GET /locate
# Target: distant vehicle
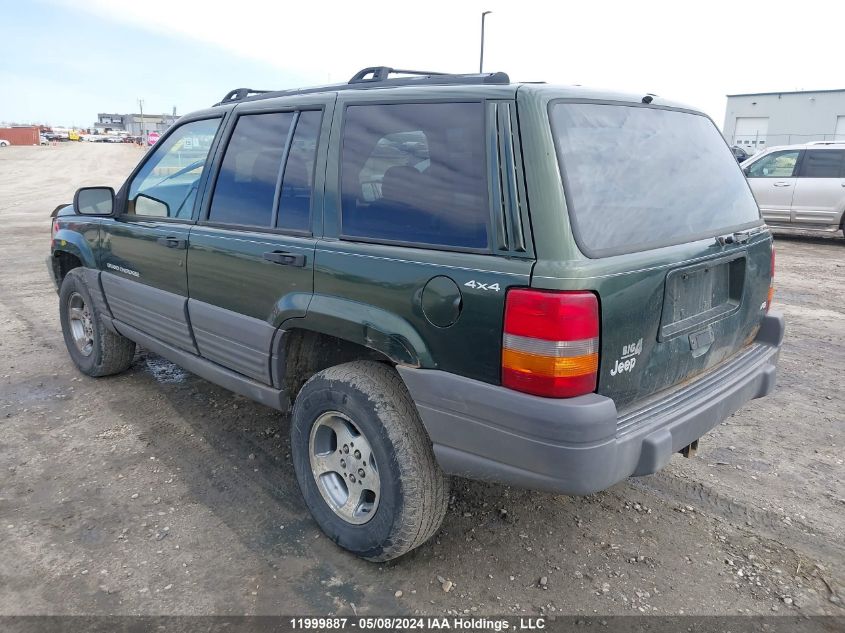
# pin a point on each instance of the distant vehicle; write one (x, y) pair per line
(4, 143)
(43, 139)
(800, 186)
(73, 135)
(113, 139)
(740, 154)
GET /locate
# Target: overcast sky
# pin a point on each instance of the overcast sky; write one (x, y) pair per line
(63, 61)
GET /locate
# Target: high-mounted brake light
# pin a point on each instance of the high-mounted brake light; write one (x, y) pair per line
(771, 281)
(550, 345)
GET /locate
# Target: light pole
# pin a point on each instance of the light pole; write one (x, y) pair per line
(481, 62)
(141, 108)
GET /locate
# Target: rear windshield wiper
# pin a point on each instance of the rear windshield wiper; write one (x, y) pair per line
(737, 237)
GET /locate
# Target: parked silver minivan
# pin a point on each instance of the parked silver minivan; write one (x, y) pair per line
(800, 186)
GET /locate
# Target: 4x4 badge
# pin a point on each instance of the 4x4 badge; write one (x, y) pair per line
(477, 285)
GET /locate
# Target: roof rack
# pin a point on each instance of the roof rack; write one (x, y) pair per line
(381, 74)
(375, 77)
(239, 94)
(842, 142)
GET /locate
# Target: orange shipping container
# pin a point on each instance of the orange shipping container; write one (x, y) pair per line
(21, 135)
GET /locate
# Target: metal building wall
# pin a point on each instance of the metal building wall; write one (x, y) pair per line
(793, 117)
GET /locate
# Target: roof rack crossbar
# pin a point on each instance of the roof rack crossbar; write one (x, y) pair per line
(381, 73)
(239, 94)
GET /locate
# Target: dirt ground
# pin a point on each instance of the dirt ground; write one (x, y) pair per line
(156, 492)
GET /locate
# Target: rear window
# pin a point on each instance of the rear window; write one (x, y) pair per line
(643, 177)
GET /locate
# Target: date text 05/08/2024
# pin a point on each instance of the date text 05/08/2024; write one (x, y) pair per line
(418, 623)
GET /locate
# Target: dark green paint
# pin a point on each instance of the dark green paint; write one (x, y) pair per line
(373, 294)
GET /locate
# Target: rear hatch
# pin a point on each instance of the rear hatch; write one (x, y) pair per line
(675, 246)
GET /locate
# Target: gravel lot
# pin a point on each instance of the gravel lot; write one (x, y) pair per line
(156, 492)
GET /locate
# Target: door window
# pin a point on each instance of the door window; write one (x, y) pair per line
(415, 173)
(246, 185)
(775, 165)
(298, 181)
(167, 184)
(823, 163)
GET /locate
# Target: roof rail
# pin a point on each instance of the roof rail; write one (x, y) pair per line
(842, 142)
(239, 94)
(381, 74)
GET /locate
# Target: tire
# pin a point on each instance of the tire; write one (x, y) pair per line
(413, 493)
(94, 349)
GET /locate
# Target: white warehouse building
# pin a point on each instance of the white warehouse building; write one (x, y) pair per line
(757, 121)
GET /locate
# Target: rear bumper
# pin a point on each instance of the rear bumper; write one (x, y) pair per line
(581, 445)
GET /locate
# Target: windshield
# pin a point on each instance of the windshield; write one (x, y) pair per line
(643, 177)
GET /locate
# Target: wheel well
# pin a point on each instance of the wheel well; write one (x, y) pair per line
(304, 353)
(63, 263)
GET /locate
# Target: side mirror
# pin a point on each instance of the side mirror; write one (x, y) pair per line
(93, 201)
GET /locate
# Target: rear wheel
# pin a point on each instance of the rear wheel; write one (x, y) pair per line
(94, 349)
(364, 461)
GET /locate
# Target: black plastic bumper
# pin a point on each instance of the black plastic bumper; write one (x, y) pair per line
(581, 445)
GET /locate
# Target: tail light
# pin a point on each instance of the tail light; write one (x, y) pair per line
(771, 281)
(550, 345)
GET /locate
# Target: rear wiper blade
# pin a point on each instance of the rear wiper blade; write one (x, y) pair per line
(737, 237)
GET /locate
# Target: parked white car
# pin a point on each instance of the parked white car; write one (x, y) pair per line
(4, 143)
(800, 186)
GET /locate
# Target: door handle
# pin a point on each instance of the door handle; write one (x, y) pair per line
(284, 258)
(172, 242)
(782, 184)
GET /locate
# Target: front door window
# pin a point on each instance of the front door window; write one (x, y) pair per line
(167, 184)
(775, 165)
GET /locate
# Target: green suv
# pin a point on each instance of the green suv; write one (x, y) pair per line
(438, 275)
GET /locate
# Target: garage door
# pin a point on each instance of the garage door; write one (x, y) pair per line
(750, 132)
(840, 129)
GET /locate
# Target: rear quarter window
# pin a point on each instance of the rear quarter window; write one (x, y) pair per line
(637, 178)
(415, 173)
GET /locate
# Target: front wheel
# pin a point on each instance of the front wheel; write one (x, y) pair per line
(94, 349)
(364, 461)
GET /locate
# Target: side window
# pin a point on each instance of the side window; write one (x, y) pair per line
(167, 184)
(823, 163)
(415, 173)
(246, 184)
(775, 165)
(298, 180)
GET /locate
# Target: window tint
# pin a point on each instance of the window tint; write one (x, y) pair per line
(415, 173)
(246, 185)
(627, 187)
(823, 163)
(168, 182)
(298, 181)
(775, 165)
